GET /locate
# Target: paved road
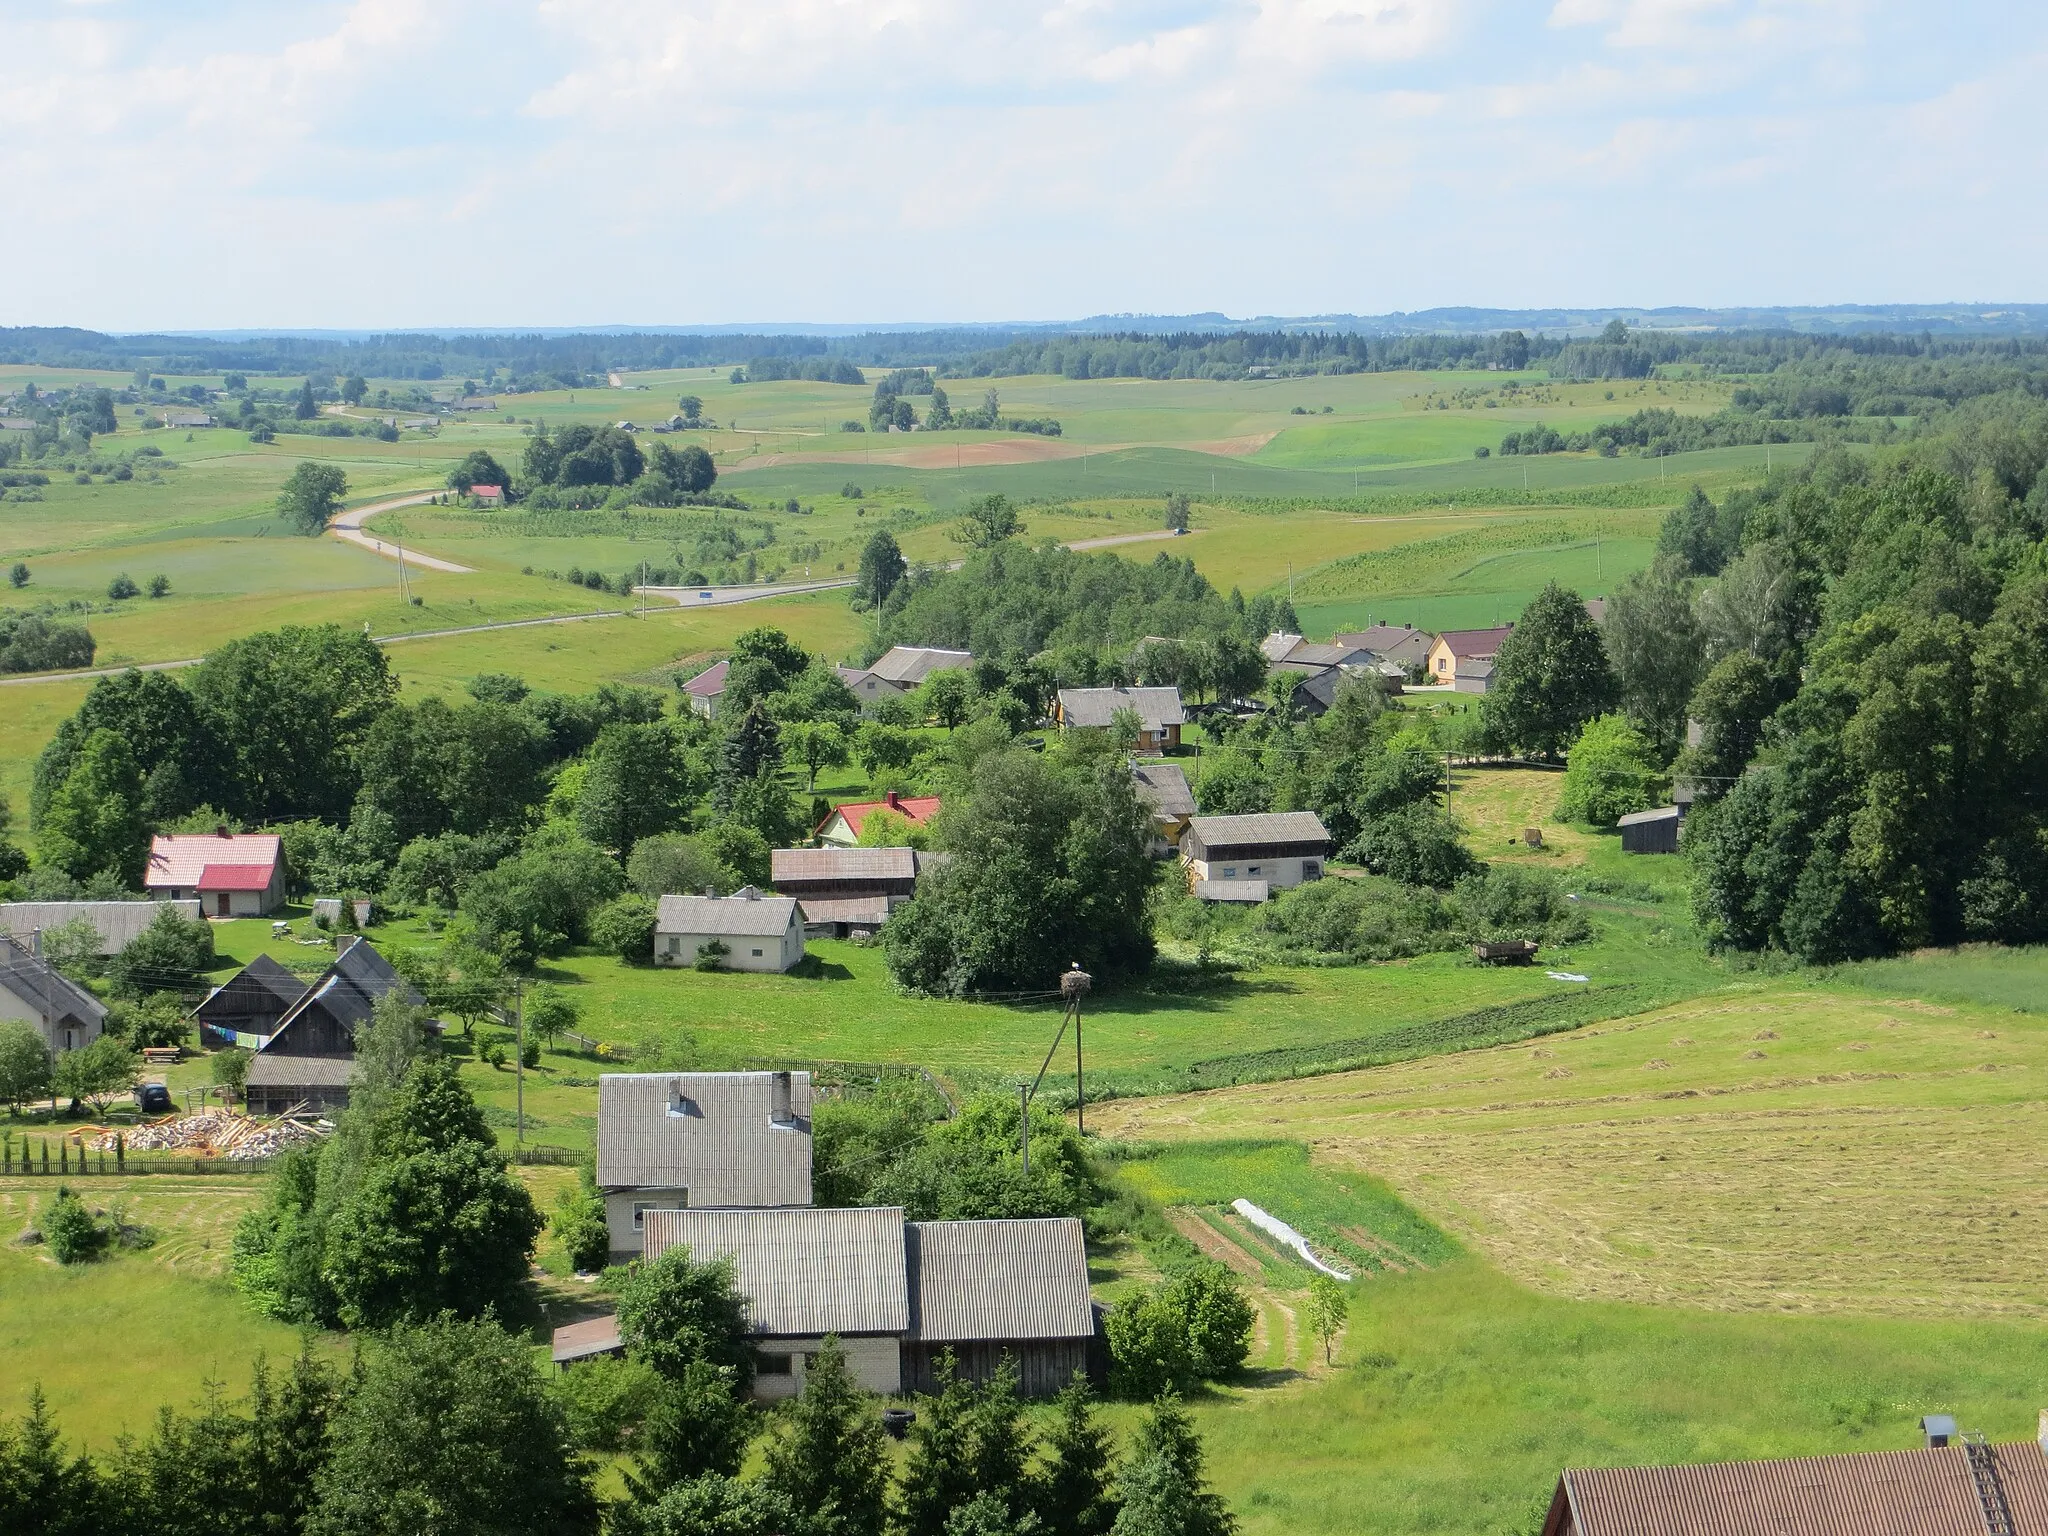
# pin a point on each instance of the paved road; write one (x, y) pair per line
(349, 526)
(713, 597)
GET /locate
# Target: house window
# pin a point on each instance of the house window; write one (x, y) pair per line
(757, 954)
(642, 1207)
(675, 944)
(1252, 869)
(1311, 870)
(1230, 874)
(773, 1365)
(1442, 665)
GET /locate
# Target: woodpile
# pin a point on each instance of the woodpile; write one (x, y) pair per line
(219, 1132)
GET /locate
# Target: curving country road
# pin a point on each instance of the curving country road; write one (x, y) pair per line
(348, 526)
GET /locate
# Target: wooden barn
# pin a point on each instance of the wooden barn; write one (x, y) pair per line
(1968, 1489)
(1651, 831)
(308, 1061)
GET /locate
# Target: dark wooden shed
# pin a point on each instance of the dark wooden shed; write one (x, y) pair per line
(1651, 831)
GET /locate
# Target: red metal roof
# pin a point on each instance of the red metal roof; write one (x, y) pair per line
(1929, 1492)
(235, 877)
(915, 809)
(709, 683)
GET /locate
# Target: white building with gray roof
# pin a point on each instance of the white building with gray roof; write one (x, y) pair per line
(899, 1294)
(757, 933)
(696, 1140)
(1281, 849)
(67, 1016)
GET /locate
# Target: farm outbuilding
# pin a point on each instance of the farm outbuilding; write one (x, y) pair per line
(1949, 1490)
(310, 1058)
(246, 1009)
(1280, 848)
(899, 1294)
(1651, 831)
(847, 891)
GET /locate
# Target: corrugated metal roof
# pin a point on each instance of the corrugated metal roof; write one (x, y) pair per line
(269, 1069)
(592, 1336)
(712, 1133)
(117, 921)
(1164, 787)
(1095, 707)
(1639, 818)
(910, 665)
(1279, 645)
(846, 909)
(44, 990)
(1262, 830)
(1928, 1492)
(178, 859)
(750, 917)
(804, 1272)
(261, 986)
(842, 864)
(999, 1280)
(1478, 643)
(709, 683)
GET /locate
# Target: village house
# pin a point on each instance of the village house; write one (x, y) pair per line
(1456, 649)
(187, 419)
(900, 669)
(116, 922)
(246, 1009)
(1942, 1489)
(1164, 788)
(306, 1063)
(1403, 645)
(757, 933)
(1159, 713)
(682, 1140)
(845, 891)
(66, 1015)
(474, 403)
(706, 689)
(843, 827)
(899, 1294)
(230, 874)
(1279, 850)
(487, 495)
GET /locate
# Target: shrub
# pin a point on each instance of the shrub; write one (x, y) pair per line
(712, 956)
(123, 587)
(580, 1226)
(1416, 844)
(75, 1234)
(606, 1400)
(1149, 1351)
(624, 927)
(1608, 773)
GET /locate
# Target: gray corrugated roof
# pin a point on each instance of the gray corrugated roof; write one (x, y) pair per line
(116, 921)
(843, 864)
(268, 1069)
(1164, 787)
(45, 990)
(1155, 707)
(721, 1144)
(999, 1280)
(1637, 818)
(1259, 830)
(757, 917)
(912, 664)
(804, 1272)
(846, 909)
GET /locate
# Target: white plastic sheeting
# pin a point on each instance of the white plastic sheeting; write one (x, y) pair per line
(1273, 1226)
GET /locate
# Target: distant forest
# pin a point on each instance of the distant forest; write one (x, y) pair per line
(1792, 373)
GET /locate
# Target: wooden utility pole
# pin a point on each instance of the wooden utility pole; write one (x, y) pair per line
(519, 1071)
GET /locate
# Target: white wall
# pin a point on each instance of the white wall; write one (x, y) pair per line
(1280, 874)
(876, 1363)
(627, 1240)
(777, 954)
(12, 1007)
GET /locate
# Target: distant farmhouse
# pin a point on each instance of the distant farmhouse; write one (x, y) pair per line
(230, 874)
(66, 1015)
(901, 669)
(706, 689)
(671, 1140)
(759, 933)
(1464, 658)
(187, 419)
(1164, 788)
(1159, 712)
(1401, 644)
(843, 827)
(116, 922)
(847, 891)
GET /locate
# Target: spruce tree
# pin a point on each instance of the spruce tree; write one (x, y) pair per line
(830, 1462)
(1072, 1492)
(1162, 1487)
(43, 1492)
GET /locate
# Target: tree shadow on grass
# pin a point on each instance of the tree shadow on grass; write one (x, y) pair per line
(811, 968)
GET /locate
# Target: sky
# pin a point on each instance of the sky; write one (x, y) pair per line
(184, 164)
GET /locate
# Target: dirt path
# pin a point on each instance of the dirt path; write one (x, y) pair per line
(348, 527)
(1130, 538)
(1214, 1244)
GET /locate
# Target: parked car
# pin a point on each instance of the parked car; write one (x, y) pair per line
(154, 1099)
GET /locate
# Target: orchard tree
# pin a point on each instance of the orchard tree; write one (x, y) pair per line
(817, 744)
(312, 495)
(988, 522)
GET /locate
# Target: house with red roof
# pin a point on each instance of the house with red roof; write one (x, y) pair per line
(1466, 654)
(842, 828)
(488, 495)
(707, 688)
(230, 874)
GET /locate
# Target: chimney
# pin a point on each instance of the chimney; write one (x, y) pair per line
(779, 1109)
(893, 800)
(711, 893)
(222, 831)
(1940, 1429)
(748, 893)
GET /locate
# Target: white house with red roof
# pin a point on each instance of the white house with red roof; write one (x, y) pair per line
(842, 827)
(488, 495)
(230, 874)
(707, 688)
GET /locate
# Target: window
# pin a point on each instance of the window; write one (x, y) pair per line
(773, 1365)
(757, 954)
(1230, 874)
(1252, 869)
(675, 944)
(1311, 870)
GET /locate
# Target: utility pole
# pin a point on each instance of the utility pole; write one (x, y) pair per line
(1024, 1125)
(519, 1073)
(1074, 987)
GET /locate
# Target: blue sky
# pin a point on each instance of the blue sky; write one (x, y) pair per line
(506, 162)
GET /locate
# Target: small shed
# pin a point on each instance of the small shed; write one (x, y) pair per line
(247, 1008)
(1248, 893)
(1651, 831)
(581, 1341)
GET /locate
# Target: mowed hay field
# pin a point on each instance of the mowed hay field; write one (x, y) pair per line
(1767, 1146)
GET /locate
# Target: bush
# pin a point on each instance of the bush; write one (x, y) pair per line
(1608, 773)
(1510, 902)
(1149, 1351)
(624, 927)
(170, 954)
(580, 1226)
(1194, 1326)
(712, 956)
(1372, 919)
(606, 1400)
(1415, 844)
(75, 1234)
